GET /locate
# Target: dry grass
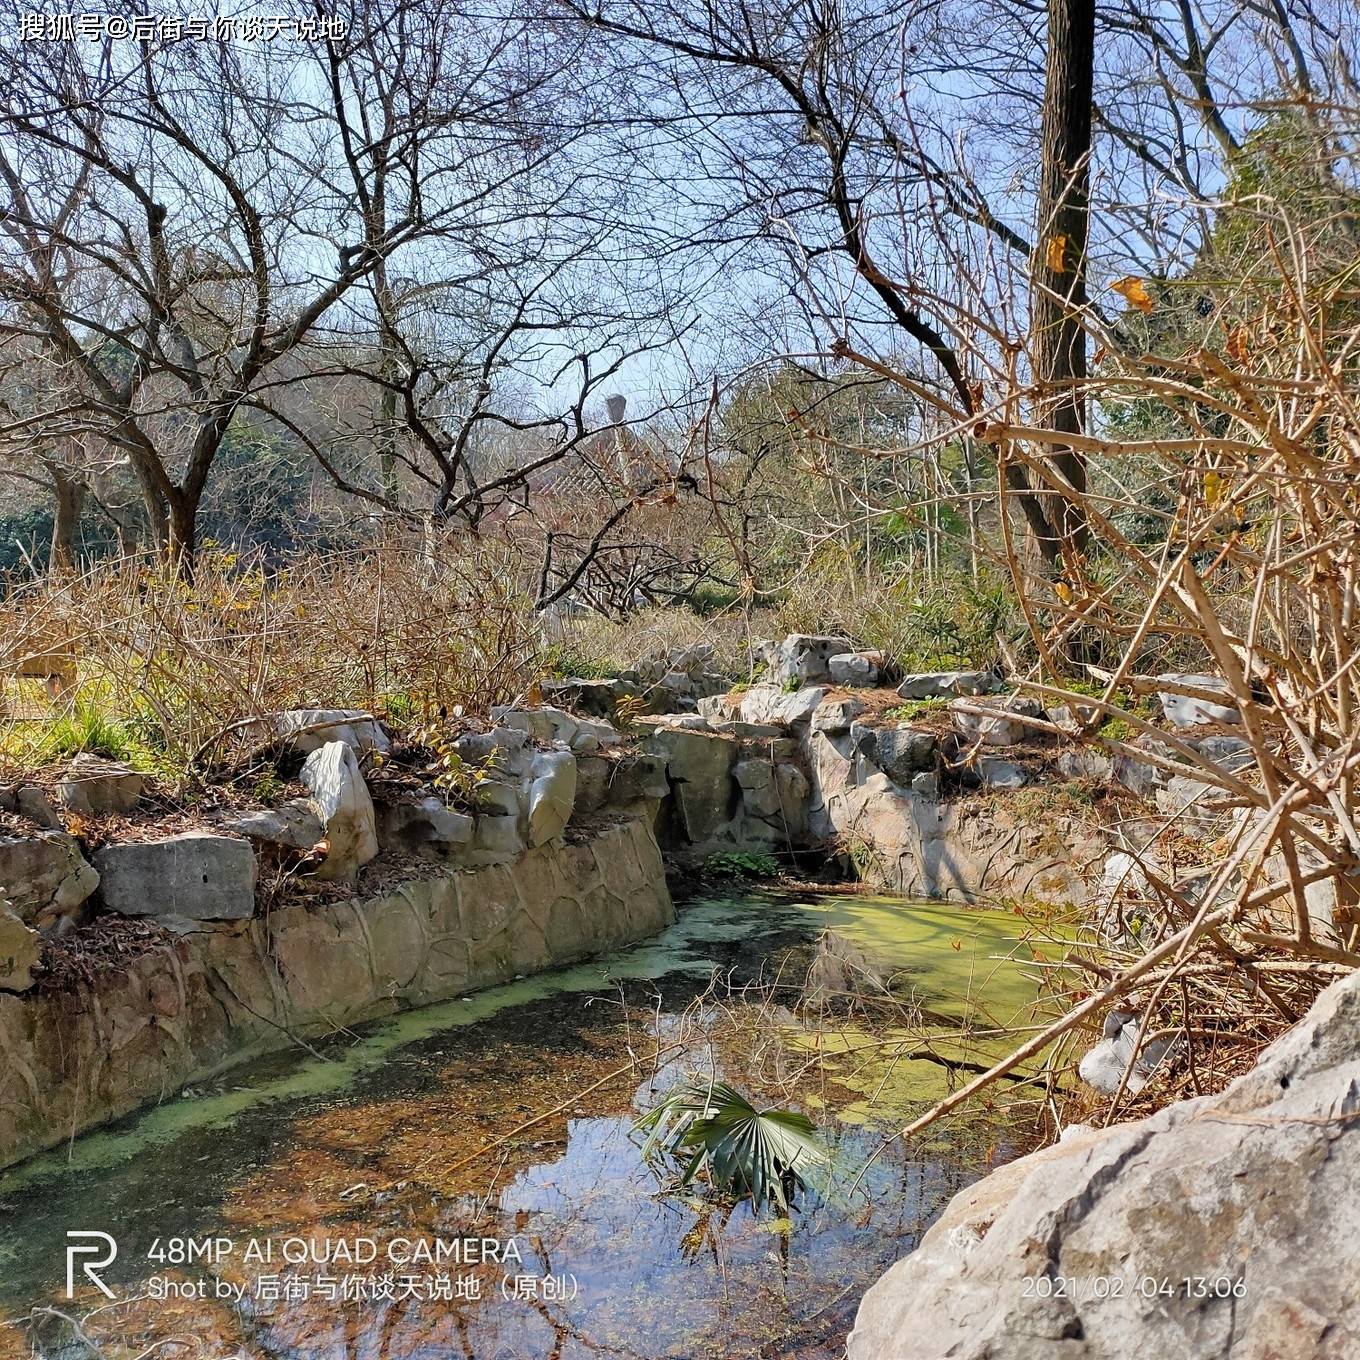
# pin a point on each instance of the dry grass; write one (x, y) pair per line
(166, 666)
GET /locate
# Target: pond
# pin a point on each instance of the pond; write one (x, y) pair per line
(466, 1180)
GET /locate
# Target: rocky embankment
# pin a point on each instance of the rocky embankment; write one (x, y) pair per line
(1223, 1227)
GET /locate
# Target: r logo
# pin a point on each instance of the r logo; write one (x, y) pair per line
(95, 1244)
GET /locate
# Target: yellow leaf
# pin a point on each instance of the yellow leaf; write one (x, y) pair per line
(1055, 251)
(1134, 292)
(1063, 592)
(1237, 344)
(1214, 487)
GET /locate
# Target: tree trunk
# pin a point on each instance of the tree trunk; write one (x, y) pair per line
(69, 493)
(1059, 274)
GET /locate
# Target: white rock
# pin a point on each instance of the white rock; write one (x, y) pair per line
(994, 726)
(1184, 711)
(337, 786)
(20, 948)
(93, 785)
(550, 796)
(309, 729)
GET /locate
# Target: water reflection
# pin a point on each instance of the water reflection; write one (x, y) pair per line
(442, 1143)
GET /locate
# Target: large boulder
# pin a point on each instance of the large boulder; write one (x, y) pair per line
(342, 799)
(92, 786)
(309, 729)
(856, 670)
(44, 877)
(699, 768)
(833, 715)
(197, 876)
(802, 658)
(1185, 710)
(1222, 1228)
(765, 704)
(550, 795)
(425, 826)
(900, 752)
(20, 949)
(946, 684)
(995, 722)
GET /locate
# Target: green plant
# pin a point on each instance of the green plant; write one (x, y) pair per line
(915, 708)
(713, 1128)
(745, 863)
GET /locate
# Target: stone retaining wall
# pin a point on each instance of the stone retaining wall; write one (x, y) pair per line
(205, 1001)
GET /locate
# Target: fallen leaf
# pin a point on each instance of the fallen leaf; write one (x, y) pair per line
(1134, 292)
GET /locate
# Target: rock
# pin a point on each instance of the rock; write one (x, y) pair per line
(337, 785)
(767, 705)
(497, 839)
(926, 785)
(792, 786)
(759, 795)
(295, 824)
(802, 658)
(834, 715)
(901, 752)
(20, 950)
(1257, 1184)
(995, 726)
(1187, 800)
(856, 670)
(1000, 774)
(92, 786)
(197, 876)
(637, 777)
(1074, 716)
(592, 698)
(1084, 763)
(33, 803)
(1142, 776)
(946, 684)
(721, 707)
(1229, 753)
(550, 795)
(699, 766)
(1102, 1066)
(1184, 711)
(501, 749)
(308, 729)
(498, 796)
(428, 824)
(677, 682)
(44, 876)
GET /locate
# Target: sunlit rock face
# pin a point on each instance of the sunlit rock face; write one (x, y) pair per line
(1222, 1227)
(185, 1008)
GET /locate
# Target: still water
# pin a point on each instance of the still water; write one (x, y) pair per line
(466, 1180)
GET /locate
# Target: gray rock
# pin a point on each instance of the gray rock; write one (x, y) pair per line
(856, 670)
(639, 776)
(499, 797)
(996, 726)
(793, 788)
(926, 785)
(1082, 762)
(1102, 1066)
(34, 804)
(699, 765)
(592, 698)
(308, 729)
(497, 839)
(428, 824)
(677, 682)
(759, 796)
(1229, 753)
(835, 715)
(748, 731)
(550, 796)
(92, 786)
(342, 799)
(44, 876)
(1188, 800)
(503, 749)
(1074, 716)
(766, 705)
(996, 773)
(802, 658)
(1257, 1184)
(946, 684)
(197, 876)
(20, 950)
(1184, 711)
(295, 824)
(901, 752)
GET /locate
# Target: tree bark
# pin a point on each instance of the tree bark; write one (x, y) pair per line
(1058, 289)
(69, 500)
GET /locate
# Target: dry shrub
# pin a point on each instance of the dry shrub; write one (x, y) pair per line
(166, 666)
